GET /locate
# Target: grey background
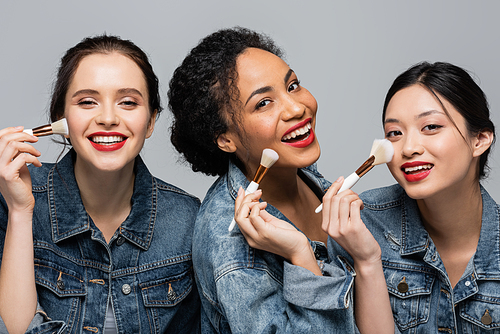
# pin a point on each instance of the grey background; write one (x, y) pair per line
(347, 53)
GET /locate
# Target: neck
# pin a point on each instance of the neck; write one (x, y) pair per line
(106, 195)
(450, 218)
(284, 189)
(280, 185)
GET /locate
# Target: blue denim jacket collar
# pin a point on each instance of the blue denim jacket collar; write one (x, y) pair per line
(415, 239)
(488, 264)
(68, 215)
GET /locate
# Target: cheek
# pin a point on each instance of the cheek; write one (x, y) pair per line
(309, 100)
(394, 168)
(263, 127)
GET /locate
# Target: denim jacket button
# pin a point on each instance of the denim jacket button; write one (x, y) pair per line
(60, 284)
(486, 318)
(120, 241)
(317, 254)
(126, 289)
(403, 286)
(171, 293)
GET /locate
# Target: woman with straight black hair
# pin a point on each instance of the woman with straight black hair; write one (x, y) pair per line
(438, 228)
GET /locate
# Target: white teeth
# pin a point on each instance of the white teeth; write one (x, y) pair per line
(298, 132)
(416, 168)
(106, 140)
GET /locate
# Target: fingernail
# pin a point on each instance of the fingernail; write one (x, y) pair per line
(18, 127)
(339, 179)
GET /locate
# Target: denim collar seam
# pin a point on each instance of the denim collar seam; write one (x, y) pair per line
(166, 187)
(144, 244)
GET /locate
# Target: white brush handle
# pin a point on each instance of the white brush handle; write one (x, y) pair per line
(28, 131)
(349, 182)
(252, 187)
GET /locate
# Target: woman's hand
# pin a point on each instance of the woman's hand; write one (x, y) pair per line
(342, 221)
(266, 232)
(15, 180)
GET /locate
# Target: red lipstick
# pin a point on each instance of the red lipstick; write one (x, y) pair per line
(417, 175)
(297, 126)
(108, 147)
(305, 141)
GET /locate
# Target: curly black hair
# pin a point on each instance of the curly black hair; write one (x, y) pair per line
(203, 96)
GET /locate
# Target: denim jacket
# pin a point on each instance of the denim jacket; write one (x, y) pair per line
(422, 298)
(245, 290)
(145, 271)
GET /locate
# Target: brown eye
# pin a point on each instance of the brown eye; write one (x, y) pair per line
(391, 134)
(432, 127)
(262, 104)
(293, 86)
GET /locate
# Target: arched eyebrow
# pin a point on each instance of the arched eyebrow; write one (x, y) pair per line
(95, 92)
(288, 75)
(85, 92)
(266, 89)
(129, 91)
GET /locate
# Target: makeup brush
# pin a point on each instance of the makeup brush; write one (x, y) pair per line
(268, 158)
(57, 128)
(382, 152)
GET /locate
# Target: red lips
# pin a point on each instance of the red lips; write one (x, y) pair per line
(107, 147)
(416, 175)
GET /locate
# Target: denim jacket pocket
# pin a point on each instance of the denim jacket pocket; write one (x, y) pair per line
(63, 282)
(168, 291)
(481, 311)
(410, 295)
(62, 290)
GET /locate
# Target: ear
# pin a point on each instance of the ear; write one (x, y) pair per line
(482, 141)
(226, 142)
(151, 125)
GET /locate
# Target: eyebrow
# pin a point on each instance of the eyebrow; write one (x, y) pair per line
(130, 91)
(419, 116)
(266, 89)
(94, 92)
(85, 92)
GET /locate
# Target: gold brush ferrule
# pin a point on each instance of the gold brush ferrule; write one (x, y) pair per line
(259, 174)
(43, 130)
(366, 166)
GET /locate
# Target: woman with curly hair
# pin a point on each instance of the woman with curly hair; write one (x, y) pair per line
(232, 97)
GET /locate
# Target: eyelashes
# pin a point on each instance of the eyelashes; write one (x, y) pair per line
(428, 129)
(294, 85)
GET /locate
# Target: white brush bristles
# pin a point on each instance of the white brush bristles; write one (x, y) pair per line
(269, 157)
(382, 150)
(60, 127)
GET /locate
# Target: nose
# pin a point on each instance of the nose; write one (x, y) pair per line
(412, 145)
(292, 108)
(107, 116)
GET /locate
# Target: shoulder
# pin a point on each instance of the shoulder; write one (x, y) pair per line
(383, 198)
(217, 251)
(175, 191)
(39, 175)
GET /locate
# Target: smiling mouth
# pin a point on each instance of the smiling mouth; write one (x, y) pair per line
(107, 140)
(298, 134)
(417, 169)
